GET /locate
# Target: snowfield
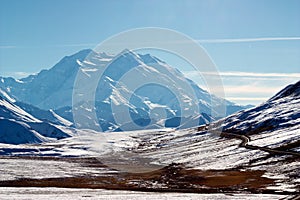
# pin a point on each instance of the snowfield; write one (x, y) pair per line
(67, 193)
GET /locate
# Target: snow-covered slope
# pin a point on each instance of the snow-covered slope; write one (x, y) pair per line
(53, 89)
(13, 132)
(44, 115)
(18, 126)
(277, 120)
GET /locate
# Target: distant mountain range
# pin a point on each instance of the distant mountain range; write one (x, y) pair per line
(48, 94)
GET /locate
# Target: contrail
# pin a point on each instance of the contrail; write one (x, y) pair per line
(235, 40)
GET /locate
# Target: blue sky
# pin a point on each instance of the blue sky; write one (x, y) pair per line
(260, 37)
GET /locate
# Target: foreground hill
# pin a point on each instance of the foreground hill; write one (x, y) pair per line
(19, 127)
(279, 112)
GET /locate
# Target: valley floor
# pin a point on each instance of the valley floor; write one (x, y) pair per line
(150, 164)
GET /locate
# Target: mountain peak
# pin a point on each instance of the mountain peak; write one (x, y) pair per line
(84, 52)
(129, 57)
(130, 53)
(141, 58)
(148, 59)
(80, 55)
(290, 90)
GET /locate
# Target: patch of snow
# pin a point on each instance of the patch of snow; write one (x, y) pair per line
(19, 81)
(89, 62)
(47, 193)
(5, 95)
(79, 62)
(62, 120)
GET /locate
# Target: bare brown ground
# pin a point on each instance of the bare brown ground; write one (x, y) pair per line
(173, 178)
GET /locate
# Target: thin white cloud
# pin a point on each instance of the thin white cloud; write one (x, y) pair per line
(246, 87)
(16, 75)
(237, 40)
(251, 89)
(261, 99)
(244, 74)
(229, 40)
(255, 74)
(21, 74)
(75, 45)
(250, 93)
(54, 45)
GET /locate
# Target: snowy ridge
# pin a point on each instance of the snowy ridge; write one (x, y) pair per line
(276, 121)
(19, 127)
(44, 115)
(13, 132)
(292, 90)
(280, 112)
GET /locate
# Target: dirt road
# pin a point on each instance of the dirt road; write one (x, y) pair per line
(246, 139)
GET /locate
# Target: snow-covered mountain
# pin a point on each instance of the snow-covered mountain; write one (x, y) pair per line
(53, 89)
(18, 126)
